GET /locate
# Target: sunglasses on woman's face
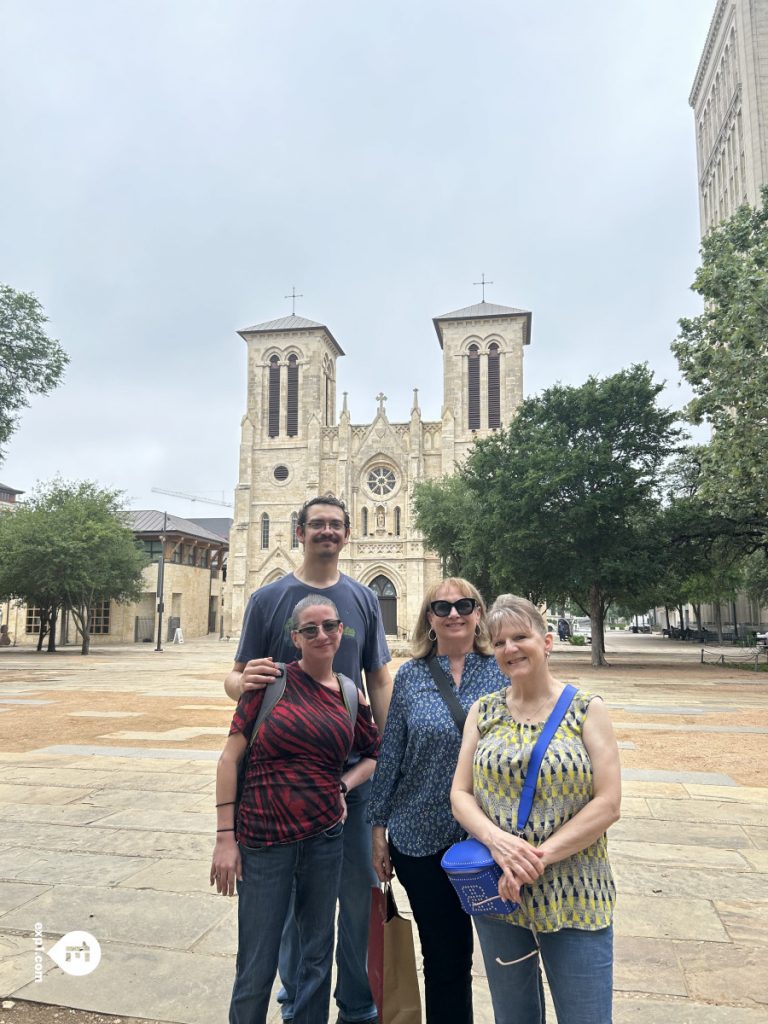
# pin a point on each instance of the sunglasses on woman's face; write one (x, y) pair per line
(464, 606)
(310, 632)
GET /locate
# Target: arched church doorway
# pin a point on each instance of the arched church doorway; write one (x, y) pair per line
(384, 589)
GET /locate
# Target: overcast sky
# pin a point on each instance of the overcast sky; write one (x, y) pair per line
(170, 169)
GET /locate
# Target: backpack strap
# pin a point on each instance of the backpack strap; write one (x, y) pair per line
(349, 694)
(537, 756)
(274, 691)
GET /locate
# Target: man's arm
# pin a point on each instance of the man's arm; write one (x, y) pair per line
(249, 675)
(379, 685)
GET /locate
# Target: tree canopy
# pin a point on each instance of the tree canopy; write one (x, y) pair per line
(723, 354)
(564, 502)
(67, 547)
(30, 362)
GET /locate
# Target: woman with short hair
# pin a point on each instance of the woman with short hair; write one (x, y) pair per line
(557, 870)
(291, 817)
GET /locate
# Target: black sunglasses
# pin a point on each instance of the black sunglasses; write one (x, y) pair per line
(463, 606)
(310, 632)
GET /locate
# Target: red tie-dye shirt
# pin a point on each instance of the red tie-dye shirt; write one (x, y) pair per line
(292, 779)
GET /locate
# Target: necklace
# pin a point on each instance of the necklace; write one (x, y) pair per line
(520, 715)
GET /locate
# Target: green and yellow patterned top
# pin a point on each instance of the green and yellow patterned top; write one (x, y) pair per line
(577, 892)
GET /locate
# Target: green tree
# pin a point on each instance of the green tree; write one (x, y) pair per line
(565, 500)
(723, 354)
(31, 363)
(67, 547)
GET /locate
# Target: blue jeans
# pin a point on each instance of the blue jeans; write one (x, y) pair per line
(579, 967)
(352, 993)
(311, 867)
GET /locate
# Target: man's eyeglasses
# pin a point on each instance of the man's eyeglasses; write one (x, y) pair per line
(463, 606)
(327, 524)
(310, 632)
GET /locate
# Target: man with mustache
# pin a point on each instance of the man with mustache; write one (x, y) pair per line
(323, 530)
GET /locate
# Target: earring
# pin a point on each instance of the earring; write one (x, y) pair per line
(477, 629)
(432, 635)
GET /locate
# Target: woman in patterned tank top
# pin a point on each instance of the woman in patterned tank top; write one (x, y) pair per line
(557, 870)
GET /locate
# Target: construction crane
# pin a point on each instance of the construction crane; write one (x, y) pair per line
(192, 497)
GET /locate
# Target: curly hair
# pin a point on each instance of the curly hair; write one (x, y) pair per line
(421, 645)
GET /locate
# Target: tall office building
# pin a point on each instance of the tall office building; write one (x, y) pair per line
(730, 103)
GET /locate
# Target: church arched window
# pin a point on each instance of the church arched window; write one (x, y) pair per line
(494, 386)
(293, 396)
(397, 521)
(473, 389)
(265, 530)
(364, 522)
(294, 527)
(274, 397)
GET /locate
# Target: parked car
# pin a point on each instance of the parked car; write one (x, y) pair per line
(582, 627)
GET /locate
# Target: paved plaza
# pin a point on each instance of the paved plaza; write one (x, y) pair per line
(107, 770)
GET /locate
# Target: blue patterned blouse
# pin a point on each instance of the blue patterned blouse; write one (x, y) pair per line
(419, 750)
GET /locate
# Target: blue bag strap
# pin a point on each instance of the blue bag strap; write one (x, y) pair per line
(537, 756)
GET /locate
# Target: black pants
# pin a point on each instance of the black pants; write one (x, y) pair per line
(446, 938)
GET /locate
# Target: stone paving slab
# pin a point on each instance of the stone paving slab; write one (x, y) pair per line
(133, 981)
(744, 920)
(734, 730)
(11, 793)
(697, 856)
(16, 894)
(73, 814)
(689, 883)
(55, 866)
(685, 778)
(647, 965)
(643, 789)
(105, 714)
(757, 836)
(666, 918)
(669, 831)
(711, 811)
(646, 1011)
(157, 753)
(156, 820)
(179, 735)
(173, 875)
(165, 920)
(731, 974)
(731, 794)
(222, 938)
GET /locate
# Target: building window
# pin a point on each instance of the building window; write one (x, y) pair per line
(176, 555)
(33, 621)
(280, 473)
(274, 397)
(153, 549)
(202, 557)
(364, 522)
(293, 396)
(190, 553)
(294, 528)
(100, 618)
(494, 387)
(381, 481)
(473, 395)
(397, 521)
(265, 531)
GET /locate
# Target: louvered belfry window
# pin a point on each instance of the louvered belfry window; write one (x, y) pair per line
(293, 396)
(274, 396)
(494, 387)
(474, 388)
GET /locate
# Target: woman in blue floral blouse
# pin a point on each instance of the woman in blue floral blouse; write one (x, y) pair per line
(410, 799)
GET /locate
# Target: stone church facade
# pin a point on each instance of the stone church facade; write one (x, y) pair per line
(294, 447)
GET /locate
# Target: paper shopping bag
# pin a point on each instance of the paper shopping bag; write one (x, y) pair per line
(392, 961)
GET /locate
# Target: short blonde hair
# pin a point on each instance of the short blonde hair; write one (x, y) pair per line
(421, 645)
(512, 608)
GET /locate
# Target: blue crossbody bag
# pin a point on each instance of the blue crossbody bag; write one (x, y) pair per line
(469, 865)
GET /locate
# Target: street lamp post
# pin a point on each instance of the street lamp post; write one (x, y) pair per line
(160, 584)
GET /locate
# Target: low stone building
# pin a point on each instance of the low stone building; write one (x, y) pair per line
(193, 575)
(293, 448)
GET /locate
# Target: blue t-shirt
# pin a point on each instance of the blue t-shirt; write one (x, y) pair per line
(267, 625)
(419, 750)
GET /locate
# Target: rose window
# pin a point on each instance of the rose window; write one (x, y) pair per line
(381, 481)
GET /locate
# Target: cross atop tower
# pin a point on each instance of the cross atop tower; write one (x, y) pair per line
(482, 283)
(293, 296)
(381, 399)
